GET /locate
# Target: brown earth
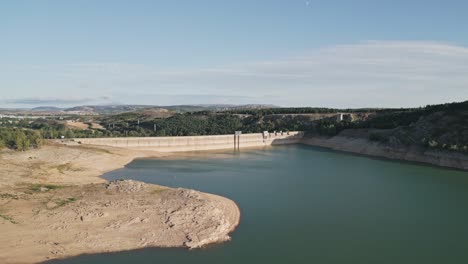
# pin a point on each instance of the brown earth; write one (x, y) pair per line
(82, 126)
(54, 205)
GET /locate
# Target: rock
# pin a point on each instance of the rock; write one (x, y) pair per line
(50, 205)
(126, 186)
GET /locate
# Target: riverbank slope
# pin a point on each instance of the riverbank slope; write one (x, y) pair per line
(360, 144)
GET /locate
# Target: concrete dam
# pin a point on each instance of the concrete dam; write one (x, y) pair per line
(197, 143)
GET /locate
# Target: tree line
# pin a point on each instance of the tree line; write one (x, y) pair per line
(448, 129)
(20, 139)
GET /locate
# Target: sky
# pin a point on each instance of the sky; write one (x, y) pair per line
(346, 53)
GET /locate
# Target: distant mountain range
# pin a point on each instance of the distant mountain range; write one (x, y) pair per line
(116, 109)
(46, 109)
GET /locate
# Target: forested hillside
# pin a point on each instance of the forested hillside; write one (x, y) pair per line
(436, 126)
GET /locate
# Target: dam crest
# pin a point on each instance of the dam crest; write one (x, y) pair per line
(197, 143)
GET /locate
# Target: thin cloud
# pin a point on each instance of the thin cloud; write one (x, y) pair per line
(373, 73)
(53, 101)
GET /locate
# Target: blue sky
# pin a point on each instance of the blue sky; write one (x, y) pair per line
(344, 53)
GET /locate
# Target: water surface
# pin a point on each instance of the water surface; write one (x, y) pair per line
(303, 204)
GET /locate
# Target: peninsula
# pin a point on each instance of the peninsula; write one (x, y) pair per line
(53, 204)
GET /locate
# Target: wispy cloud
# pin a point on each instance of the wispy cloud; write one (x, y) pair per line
(373, 73)
(53, 101)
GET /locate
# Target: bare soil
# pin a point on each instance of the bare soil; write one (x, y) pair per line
(53, 204)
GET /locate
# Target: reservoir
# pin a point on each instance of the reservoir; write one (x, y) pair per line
(303, 204)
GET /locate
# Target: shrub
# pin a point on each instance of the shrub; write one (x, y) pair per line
(36, 139)
(69, 134)
(21, 141)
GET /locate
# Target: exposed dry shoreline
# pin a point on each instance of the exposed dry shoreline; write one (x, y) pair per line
(54, 204)
(363, 146)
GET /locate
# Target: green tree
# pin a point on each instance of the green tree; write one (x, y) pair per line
(37, 139)
(69, 134)
(26, 144)
(20, 141)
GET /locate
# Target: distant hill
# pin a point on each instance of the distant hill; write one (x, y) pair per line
(118, 109)
(216, 107)
(46, 109)
(105, 109)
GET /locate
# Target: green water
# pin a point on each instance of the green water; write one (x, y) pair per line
(307, 205)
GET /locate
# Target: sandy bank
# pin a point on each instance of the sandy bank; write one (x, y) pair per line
(364, 146)
(53, 204)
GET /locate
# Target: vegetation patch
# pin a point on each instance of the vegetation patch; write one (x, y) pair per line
(52, 204)
(40, 187)
(63, 202)
(158, 190)
(8, 196)
(20, 139)
(7, 218)
(95, 149)
(62, 168)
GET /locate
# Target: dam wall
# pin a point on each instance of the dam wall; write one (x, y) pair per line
(197, 143)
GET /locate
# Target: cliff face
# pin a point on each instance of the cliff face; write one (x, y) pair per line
(360, 145)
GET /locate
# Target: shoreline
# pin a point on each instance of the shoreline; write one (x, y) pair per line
(351, 141)
(413, 154)
(28, 199)
(28, 196)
